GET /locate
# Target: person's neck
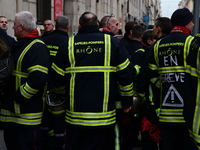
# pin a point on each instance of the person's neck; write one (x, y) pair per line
(137, 39)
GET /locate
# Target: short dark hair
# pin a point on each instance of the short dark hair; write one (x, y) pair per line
(129, 26)
(147, 36)
(137, 31)
(165, 24)
(62, 22)
(87, 21)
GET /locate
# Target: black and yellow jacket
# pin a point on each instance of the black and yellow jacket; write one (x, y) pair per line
(89, 68)
(136, 51)
(54, 40)
(169, 60)
(192, 107)
(23, 100)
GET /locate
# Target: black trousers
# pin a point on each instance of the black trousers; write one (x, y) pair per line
(84, 139)
(21, 138)
(176, 138)
(54, 125)
(148, 143)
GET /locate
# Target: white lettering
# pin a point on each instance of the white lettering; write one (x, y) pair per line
(173, 77)
(170, 60)
(166, 61)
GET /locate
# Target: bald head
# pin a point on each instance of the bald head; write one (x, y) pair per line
(88, 19)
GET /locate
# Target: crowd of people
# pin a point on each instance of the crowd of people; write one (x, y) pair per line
(91, 79)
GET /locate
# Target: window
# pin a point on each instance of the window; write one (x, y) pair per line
(43, 10)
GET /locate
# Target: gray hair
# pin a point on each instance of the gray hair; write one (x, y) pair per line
(27, 19)
(62, 22)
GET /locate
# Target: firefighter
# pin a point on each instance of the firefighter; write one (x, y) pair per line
(191, 109)
(53, 123)
(128, 32)
(149, 124)
(48, 27)
(87, 70)
(131, 124)
(168, 59)
(22, 105)
(109, 25)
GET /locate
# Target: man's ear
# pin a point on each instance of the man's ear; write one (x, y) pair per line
(131, 32)
(159, 29)
(79, 26)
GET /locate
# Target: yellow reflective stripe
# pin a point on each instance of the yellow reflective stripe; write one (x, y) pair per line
(24, 115)
(21, 121)
(196, 138)
(156, 53)
(198, 61)
(137, 68)
(142, 94)
(126, 87)
(19, 67)
(91, 115)
(60, 90)
(118, 104)
(174, 119)
(17, 107)
(107, 57)
(171, 69)
(156, 81)
(82, 122)
(52, 47)
(51, 132)
(171, 111)
(142, 50)
(117, 137)
(151, 94)
(193, 71)
(19, 61)
(197, 35)
(20, 74)
(53, 53)
(187, 48)
(25, 93)
(157, 111)
(128, 93)
(196, 120)
(171, 115)
(58, 70)
(24, 119)
(58, 112)
(72, 64)
(30, 89)
(153, 80)
(90, 69)
(90, 118)
(123, 65)
(153, 66)
(38, 68)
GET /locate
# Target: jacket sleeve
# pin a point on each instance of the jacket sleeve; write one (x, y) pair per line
(58, 70)
(124, 76)
(148, 71)
(37, 64)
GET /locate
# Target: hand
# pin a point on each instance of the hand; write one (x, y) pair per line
(127, 108)
(145, 125)
(155, 133)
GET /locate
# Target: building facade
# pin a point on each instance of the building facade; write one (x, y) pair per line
(143, 11)
(187, 3)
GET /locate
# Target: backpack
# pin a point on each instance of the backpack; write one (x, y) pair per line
(6, 63)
